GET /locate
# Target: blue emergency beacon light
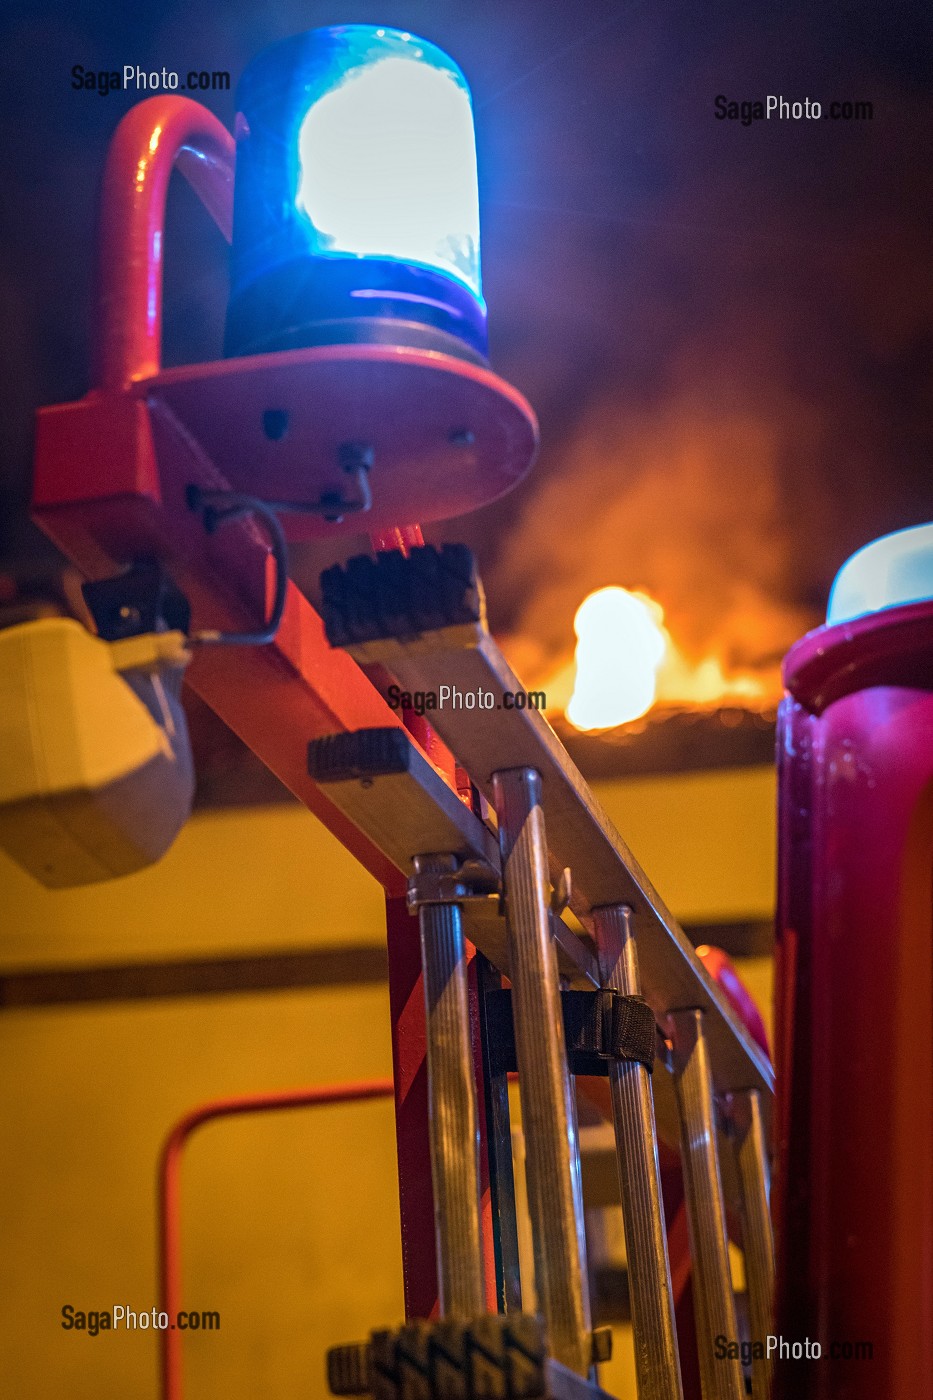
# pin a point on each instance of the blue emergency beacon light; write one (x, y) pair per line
(356, 216)
(355, 391)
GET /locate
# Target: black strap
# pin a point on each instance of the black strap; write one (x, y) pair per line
(608, 1026)
(599, 1027)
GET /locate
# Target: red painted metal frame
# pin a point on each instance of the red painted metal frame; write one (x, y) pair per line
(446, 435)
(153, 139)
(111, 475)
(110, 482)
(170, 1295)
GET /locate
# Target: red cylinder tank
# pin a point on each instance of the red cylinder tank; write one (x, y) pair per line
(853, 1187)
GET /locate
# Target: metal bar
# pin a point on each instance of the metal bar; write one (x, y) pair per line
(382, 782)
(657, 1364)
(714, 1302)
(576, 1181)
(544, 1081)
(488, 1195)
(757, 1236)
(499, 1141)
(170, 1163)
(410, 1075)
(574, 959)
(154, 138)
(465, 658)
(452, 1120)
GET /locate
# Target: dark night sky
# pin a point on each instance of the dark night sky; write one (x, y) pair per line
(726, 331)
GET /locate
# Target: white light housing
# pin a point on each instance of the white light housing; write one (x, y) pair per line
(890, 572)
(387, 160)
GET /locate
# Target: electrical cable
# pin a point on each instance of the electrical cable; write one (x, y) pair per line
(219, 508)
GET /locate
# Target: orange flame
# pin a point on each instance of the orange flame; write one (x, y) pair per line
(626, 662)
(621, 643)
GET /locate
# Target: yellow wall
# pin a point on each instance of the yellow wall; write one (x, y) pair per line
(707, 841)
(291, 1224)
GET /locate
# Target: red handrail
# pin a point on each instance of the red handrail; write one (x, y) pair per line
(152, 139)
(170, 1192)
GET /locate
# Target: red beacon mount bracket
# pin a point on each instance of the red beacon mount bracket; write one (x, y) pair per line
(114, 471)
(445, 434)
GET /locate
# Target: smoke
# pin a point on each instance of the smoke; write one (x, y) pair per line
(747, 351)
(682, 501)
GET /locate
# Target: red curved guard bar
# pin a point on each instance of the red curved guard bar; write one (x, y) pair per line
(723, 972)
(153, 139)
(170, 1190)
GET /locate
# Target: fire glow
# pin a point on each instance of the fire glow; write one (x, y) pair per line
(621, 642)
(626, 662)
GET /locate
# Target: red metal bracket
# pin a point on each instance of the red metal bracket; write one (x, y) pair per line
(111, 474)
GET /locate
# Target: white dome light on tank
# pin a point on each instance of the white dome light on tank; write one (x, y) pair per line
(890, 572)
